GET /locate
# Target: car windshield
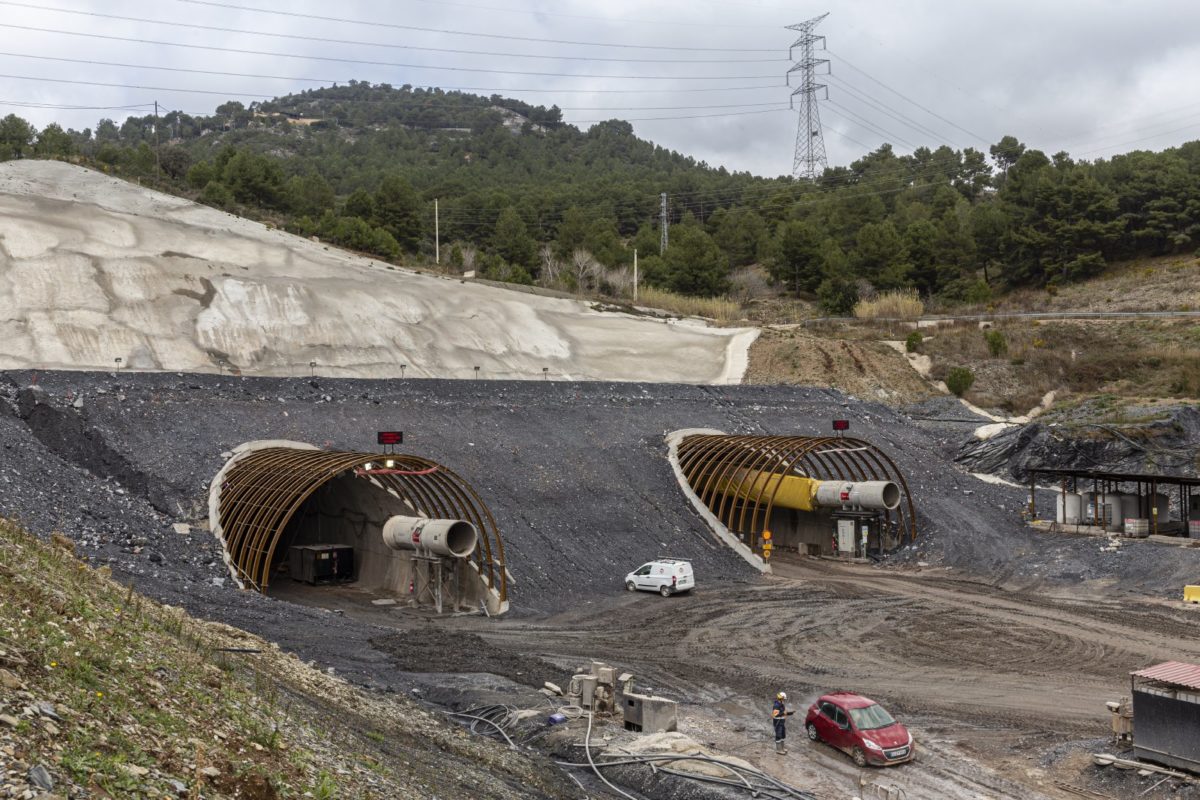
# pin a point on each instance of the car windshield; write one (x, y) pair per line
(871, 717)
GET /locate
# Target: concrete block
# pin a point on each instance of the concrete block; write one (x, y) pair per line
(649, 714)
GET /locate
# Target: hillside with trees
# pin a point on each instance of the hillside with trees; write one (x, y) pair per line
(524, 197)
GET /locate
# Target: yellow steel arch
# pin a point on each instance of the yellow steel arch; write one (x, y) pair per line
(742, 478)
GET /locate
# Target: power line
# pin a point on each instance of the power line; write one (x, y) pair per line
(886, 110)
(406, 66)
(133, 86)
(63, 107)
(263, 96)
(851, 117)
(380, 24)
(899, 94)
(539, 13)
(691, 116)
(422, 29)
(539, 90)
(387, 45)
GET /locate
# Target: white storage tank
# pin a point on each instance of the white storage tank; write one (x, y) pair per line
(1068, 508)
(1113, 512)
(1087, 508)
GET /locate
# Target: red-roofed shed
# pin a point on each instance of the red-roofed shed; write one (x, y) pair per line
(1166, 714)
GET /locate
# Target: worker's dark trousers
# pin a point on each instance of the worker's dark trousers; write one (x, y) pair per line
(780, 729)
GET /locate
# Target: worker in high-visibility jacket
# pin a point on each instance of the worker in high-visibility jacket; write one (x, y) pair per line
(779, 715)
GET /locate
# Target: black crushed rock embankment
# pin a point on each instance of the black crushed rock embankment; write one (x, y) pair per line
(575, 473)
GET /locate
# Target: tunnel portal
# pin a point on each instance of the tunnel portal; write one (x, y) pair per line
(395, 525)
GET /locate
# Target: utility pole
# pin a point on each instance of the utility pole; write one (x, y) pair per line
(635, 275)
(437, 234)
(809, 161)
(157, 159)
(663, 225)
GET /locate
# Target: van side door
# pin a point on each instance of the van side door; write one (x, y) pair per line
(642, 577)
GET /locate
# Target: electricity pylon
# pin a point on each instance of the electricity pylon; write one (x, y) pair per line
(809, 161)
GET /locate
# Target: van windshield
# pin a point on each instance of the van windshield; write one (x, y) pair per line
(871, 717)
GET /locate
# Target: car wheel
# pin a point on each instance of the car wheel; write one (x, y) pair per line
(631, 586)
(812, 732)
(664, 590)
(860, 758)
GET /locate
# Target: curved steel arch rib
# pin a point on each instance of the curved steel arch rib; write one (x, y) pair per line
(711, 463)
(260, 490)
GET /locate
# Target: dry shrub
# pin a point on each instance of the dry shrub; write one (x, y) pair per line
(897, 304)
(718, 308)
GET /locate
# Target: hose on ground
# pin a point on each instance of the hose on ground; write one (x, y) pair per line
(587, 749)
(498, 718)
(750, 779)
(501, 719)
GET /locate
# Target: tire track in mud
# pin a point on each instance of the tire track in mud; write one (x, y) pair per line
(986, 676)
(925, 644)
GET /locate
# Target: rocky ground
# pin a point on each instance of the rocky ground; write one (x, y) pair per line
(107, 694)
(577, 478)
(1158, 438)
(575, 474)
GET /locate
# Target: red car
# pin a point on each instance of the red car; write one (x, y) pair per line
(859, 726)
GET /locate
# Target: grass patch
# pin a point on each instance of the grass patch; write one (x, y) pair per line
(898, 304)
(721, 309)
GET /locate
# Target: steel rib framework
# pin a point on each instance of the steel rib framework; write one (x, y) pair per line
(261, 492)
(709, 461)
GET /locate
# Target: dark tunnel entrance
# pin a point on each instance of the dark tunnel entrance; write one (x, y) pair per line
(313, 526)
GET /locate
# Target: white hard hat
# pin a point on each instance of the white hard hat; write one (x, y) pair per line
(782, 695)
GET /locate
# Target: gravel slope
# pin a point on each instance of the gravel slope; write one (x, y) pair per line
(575, 473)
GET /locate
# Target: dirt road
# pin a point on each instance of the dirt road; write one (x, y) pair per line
(990, 680)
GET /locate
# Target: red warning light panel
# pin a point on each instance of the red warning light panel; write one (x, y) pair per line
(390, 437)
(841, 424)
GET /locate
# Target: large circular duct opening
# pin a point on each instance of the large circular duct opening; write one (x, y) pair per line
(460, 541)
(891, 495)
(294, 519)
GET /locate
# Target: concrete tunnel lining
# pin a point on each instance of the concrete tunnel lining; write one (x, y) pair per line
(262, 495)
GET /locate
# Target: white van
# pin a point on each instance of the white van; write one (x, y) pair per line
(664, 575)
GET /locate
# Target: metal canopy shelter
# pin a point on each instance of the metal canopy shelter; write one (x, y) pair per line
(711, 462)
(261, 490)
(1106, 482)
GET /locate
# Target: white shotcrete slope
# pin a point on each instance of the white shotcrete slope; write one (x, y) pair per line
(93, 268)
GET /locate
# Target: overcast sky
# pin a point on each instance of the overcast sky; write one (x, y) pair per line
(1093, 78)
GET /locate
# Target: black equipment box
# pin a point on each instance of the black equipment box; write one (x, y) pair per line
(321, 563)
